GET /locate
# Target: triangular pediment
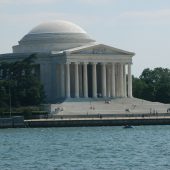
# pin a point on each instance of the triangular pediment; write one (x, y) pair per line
(98, 49)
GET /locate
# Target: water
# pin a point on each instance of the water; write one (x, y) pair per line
(81, 148)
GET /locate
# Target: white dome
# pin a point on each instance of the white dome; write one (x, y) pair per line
(53, 36)
(57, 26)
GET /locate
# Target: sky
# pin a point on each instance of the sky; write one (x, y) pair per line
(139, 26)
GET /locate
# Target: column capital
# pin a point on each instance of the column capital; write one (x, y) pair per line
(112, 65)
(103, 63)
(76, 62)
(68, 62)
(93, 63)
(85, 63)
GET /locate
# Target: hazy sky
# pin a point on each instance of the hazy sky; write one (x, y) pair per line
(140, 26)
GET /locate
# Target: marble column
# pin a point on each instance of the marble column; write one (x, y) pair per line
(124, 77)
(94, 80)
(113, 80)
(129, 81)
(68, 80)
(121, 81)
(80, 80)
(117, 80)
(108, 82)
(103, 79)
(76, 80)
(62, 79)
(85, 80)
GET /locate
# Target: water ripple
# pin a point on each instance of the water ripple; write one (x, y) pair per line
(85, 148)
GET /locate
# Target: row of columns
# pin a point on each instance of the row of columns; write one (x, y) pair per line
(108, 80)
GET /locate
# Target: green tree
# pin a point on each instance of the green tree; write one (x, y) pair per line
(153, 85)
(138, 87)
(21, 79)
(4, 94)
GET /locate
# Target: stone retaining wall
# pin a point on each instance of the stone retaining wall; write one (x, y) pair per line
(12, 122)
(97, 122)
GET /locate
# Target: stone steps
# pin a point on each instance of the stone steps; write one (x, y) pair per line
(116, 106)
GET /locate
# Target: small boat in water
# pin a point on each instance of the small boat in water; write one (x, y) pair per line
(128, 126)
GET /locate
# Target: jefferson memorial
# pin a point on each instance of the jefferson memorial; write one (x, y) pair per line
(72, 65)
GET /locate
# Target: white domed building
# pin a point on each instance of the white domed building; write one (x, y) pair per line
(49, 36)
(72, 65)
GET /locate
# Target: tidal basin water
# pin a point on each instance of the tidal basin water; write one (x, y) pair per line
(81, 148)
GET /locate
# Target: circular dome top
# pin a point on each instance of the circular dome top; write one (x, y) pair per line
(53, 36)
(57, 26)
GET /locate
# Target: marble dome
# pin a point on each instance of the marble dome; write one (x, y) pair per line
(58, 26)
(53, 36)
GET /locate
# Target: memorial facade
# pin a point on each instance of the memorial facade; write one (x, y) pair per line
(72, 65)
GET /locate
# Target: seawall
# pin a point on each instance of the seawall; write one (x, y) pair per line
(19, 122)
(97, 122)
(12, 122)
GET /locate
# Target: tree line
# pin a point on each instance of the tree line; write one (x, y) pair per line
(153, 85)
(19, 84)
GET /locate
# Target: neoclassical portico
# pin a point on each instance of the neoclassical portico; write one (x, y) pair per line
(109, 89)
(81, 73)
(72, 65)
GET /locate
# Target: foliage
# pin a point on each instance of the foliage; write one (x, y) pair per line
(153, 85)
(19, 80)
(27, 114)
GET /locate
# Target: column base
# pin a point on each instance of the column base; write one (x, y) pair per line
(76, 97)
